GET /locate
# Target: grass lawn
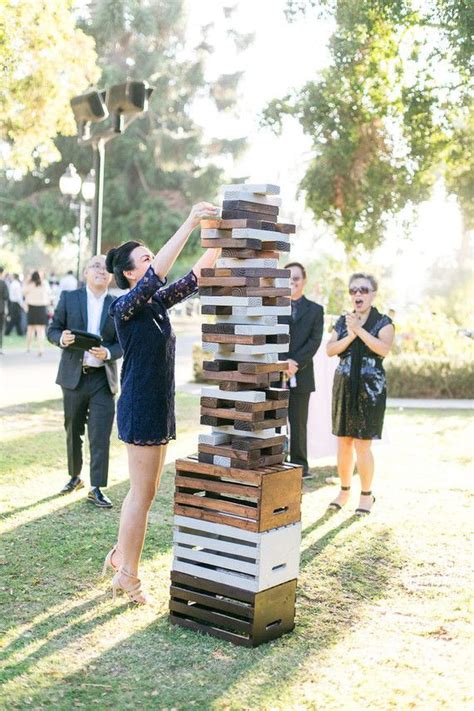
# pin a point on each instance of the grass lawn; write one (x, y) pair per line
(383, 617)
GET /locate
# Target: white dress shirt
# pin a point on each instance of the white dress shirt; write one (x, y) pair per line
(95, 305)
(15, 292)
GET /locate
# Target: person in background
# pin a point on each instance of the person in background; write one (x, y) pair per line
(88, 379)
(306, 332)
(3, 306)
(361, 339)
(15, 307)
(146, 410)
(68, 282)
(37, 299)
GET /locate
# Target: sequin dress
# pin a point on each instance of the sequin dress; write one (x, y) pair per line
(145, 409)
(365, 419)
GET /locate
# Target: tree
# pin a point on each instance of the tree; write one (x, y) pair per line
(161, 164)
(44, 59)
(379, 116)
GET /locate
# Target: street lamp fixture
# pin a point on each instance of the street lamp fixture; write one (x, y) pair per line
(125, 101)
(71, 186)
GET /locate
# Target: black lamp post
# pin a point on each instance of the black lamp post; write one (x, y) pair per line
(125, 102)
(71, 186)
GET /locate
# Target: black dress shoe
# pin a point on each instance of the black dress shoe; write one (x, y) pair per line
(74, 484)
(96, 497)
(307, 475)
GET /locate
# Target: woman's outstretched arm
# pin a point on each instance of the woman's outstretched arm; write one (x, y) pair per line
(207, 261)
(168, 254)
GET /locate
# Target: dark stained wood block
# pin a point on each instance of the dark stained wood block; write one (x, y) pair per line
(253, 207)
(246, 214)
(256, 499)
(229, 613)
(265, 272)
(230, 243)
(248, 223)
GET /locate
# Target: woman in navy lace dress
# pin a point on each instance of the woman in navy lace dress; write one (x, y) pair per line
(361, 339)
(145, 410)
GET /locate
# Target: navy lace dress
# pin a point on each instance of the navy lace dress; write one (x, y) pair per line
(362, 419)
(145, 409)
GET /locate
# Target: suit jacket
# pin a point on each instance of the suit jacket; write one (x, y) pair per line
(71, 313)
(306, 333)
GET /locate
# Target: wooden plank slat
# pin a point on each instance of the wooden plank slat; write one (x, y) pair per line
(227, 506)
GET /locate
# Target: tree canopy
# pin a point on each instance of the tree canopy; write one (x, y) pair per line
(44, 59)
(162, 163)
(392, 106)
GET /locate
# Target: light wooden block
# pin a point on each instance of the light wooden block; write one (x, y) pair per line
(281, 283)
(228, 263)
(262, 330)
(266, 348)
(214, 438)
(251, 561)
(231, 300)
(263, 235)
(257, 198)
(214, 234)
(244, 396)
(261, 310)
(245, 319)
(259, 188)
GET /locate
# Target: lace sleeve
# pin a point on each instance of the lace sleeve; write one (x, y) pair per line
(178, 290)
(340, 327)
(126, 306)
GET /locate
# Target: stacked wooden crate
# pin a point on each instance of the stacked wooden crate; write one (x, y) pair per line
(237, 508)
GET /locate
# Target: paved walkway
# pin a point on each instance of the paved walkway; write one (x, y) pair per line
(26, 378)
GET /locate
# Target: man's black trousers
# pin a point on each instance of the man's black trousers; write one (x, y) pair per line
(298, 418)
(93, 404)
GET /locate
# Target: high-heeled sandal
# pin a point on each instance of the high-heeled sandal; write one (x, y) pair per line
(133, 588)
(365, 512)
(334, 505)
(108, 562)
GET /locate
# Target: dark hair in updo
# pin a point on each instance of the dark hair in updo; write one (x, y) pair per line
(118, 261)
(35, 278)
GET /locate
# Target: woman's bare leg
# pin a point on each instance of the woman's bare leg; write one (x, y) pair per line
(145, 467)
(29, 336)
(365, 467)
(345, 467)
(40, 334)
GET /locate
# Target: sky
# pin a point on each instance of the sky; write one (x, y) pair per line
(282, 57)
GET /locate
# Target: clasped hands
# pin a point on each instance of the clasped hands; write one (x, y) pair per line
(292, 367)
(353, 325)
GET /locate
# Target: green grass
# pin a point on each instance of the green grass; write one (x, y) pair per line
(383, 603)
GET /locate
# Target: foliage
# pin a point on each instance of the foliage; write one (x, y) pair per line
(198, 357)
(413, 375)
(379, 116)
(451, 290)
(161, 164)
(426, 330)
(44, 59)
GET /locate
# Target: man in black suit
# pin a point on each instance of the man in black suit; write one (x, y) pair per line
(88, 378)
(306, 332)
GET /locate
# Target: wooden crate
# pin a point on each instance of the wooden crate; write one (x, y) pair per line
(230, 613)
(234, 556)
(253, 499)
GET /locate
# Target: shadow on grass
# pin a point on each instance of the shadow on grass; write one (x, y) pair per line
(31, 408)
(184, 669)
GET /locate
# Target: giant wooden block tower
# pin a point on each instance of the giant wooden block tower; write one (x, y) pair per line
(237, 504)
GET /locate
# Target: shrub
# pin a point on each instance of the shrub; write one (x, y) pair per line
(419, 376)
(198, 357)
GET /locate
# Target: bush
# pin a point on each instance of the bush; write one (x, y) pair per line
(198, 357)
(419, 376)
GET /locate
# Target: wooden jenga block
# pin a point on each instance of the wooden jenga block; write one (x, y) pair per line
(248, 223)
(258, 188)
(230, 613)
(247, 214)
(252, 197)
(249, 254)
(270, 210)
(244, 269)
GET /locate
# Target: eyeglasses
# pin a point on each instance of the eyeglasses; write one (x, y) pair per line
(98, 267)
(353, 290)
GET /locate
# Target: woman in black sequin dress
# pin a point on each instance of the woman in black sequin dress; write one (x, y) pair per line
(145, 410)
(361, 339)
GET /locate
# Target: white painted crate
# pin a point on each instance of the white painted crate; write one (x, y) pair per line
(233, 556)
